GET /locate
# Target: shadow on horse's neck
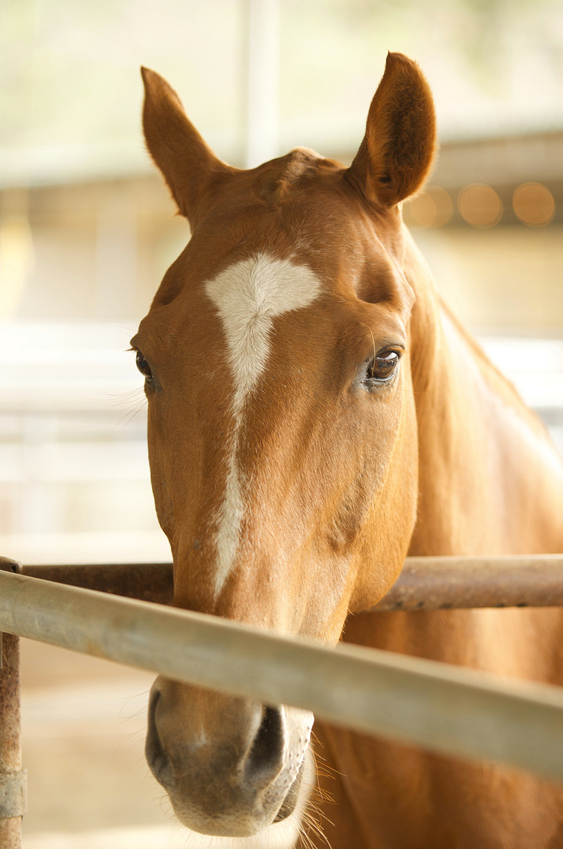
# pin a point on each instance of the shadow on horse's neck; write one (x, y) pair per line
(490, 478)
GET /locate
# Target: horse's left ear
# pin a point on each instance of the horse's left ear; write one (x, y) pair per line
(398, 148)
(187, 164)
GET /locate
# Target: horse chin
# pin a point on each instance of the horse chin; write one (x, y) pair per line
(220, 826)
(237, 823)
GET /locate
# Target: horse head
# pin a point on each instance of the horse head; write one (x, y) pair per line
(281, 420)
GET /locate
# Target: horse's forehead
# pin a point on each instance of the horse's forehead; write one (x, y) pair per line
(249, 295)
(260, 287)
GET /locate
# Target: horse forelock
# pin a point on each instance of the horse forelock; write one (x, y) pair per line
(279, 180)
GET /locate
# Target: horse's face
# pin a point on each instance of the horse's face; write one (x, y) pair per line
(281, 428)
(282, 433)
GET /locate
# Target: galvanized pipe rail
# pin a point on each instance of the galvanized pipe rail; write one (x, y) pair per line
(443, 708)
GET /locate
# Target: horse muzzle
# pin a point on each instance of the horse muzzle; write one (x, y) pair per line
(230, 767)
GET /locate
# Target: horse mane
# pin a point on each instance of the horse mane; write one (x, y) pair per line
(499, 384)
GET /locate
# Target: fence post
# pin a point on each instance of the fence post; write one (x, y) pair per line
(12, 777)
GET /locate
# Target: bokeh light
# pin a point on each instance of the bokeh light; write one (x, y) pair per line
(432, 208)
(533, 204)
(480, 205)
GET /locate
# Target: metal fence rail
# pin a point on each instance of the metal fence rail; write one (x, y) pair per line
(443, 583)
(446, 709)
(425, 583)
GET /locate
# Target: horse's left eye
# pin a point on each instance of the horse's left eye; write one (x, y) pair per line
(143, 366)
(383, 366)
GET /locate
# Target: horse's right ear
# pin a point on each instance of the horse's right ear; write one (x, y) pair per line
(187, 164)
(398, 149)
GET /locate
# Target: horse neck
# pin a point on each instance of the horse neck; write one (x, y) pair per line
(490, 480)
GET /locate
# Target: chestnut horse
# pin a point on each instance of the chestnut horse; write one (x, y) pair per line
(316, 414)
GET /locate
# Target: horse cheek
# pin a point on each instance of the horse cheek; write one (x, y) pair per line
(158, 464)
(391, 519)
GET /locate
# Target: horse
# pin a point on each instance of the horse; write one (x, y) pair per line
(316, 414)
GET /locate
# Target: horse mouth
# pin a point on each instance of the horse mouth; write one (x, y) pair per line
(292, 797)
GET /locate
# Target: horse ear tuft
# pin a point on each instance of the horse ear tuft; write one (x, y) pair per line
(398, 148)
(187, 164)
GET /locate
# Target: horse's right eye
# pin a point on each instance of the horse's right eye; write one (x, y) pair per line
(143, 366)
(383, 367)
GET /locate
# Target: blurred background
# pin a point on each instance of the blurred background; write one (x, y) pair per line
(87, 230)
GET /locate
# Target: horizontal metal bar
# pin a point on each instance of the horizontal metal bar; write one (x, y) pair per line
(425, 583)
(144, 581)
(437, 583)
(9, 565)
(444, 708)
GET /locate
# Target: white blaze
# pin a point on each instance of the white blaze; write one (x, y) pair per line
(248, 296)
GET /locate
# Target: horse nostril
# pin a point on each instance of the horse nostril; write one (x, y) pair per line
(157, 759)
(266, 754)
